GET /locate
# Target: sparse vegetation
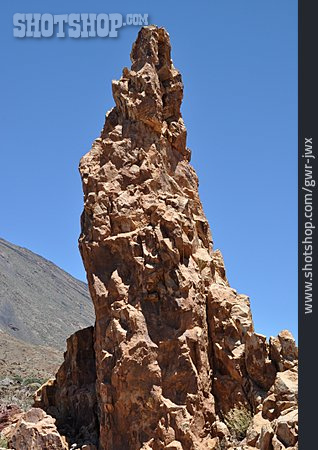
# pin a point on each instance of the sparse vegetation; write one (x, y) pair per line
(23, 369)
(33, 380)
(18, 390)
(238, 421)
(17, 378)
(3, 442)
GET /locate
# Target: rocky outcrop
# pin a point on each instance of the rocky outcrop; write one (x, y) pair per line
(178, 363)
(34, 430)
(71, 397)
(8, 415)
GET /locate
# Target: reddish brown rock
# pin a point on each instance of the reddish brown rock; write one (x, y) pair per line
(174, 345)
(253, 433)
(34, 430)
(229, 319)
(8, 415)
(147, 250)
(71, 396)
(283, 351)
(287, 428)
(259, 367)
(282, 396)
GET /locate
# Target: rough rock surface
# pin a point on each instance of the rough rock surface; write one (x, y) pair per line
(174, 344)
(34, 429)
(71, 396)
(8, 414)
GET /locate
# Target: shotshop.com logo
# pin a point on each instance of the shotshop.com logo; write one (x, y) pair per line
(86, 25)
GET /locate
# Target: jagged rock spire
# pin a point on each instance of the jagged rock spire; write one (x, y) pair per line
(174, 345)
(147, 249)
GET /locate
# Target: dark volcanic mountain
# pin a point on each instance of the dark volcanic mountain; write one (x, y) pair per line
(39, 302)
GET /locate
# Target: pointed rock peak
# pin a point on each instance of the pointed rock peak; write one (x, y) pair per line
(148, 96)
(152, 46)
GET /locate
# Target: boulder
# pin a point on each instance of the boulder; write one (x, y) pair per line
(35, 430)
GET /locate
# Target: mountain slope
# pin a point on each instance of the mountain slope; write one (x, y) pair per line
(40, 303)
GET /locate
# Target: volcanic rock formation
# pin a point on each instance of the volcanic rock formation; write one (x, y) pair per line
(34, 430)
(175, 350)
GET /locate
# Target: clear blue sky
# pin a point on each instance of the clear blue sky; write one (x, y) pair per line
(239, 65)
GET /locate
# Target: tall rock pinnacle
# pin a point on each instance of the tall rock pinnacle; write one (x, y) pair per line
(175, 349)
(147, 250)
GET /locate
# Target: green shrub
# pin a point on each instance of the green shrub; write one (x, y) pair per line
(238, 421)
(32, 380)
(17, 378)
